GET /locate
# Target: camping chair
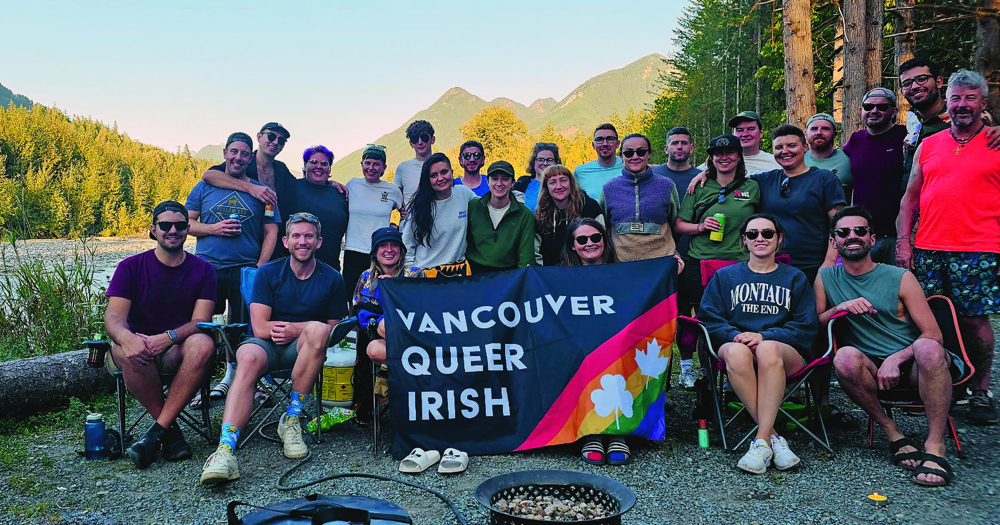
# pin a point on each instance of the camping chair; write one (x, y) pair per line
(907, 398)
(716, 369)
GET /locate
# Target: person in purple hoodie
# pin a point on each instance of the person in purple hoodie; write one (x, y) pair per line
(764, 313)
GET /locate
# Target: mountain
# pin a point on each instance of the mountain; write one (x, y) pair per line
(617, 91)
(7, 96)
(212, 153)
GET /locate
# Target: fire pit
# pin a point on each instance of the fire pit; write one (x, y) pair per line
(578, 487)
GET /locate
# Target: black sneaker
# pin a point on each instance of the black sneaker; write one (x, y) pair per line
(174, 446)
(981, 410)
(143, 452)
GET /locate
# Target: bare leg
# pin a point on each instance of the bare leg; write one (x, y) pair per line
(252, 362)
(977, 335)
(376, 351)
(143, 382)
(311, 347)
(775, 361)
(742, 377)
(193, 354)
(934, 380)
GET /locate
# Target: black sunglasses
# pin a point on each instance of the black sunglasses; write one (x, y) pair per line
(426, 137)
(166, 225)
(594, 238)
(639, 151)
(308, 217)
(473, 155)
(272, 135)
(546, 145)
(766, 233)
(881, 107)
(785, 191)
(860, 231)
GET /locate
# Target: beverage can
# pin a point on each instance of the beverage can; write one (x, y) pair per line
(236, 216)
(269, 210)
(717, 235)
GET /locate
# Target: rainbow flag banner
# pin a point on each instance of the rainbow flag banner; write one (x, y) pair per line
(529, 358)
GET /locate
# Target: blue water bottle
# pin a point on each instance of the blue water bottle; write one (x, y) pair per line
(94, 437)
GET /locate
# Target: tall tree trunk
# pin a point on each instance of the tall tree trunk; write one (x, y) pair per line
(838, 75)
(759, 84)
(988, 54)
(854, 71)
(874, 10)
(800, 82)
(906, 45)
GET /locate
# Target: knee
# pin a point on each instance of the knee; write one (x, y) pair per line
(848, 362)
(314, 335)
(376, 351)
(737, 356)
(251, 360)
(198, 346)
(928, 353)
(768, 355)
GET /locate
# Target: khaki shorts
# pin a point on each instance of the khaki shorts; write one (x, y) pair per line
(113, 368)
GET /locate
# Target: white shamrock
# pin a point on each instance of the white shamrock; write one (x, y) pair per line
(650, 363)
(612, 397)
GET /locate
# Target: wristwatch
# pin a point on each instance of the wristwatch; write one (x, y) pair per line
(172, 335)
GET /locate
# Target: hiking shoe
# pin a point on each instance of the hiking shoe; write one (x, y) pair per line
(688, 377)
(143, 452)
(784, 458)
(220, 467)
(757, 459)
(174, 446)
(981, 409)
(291, 437)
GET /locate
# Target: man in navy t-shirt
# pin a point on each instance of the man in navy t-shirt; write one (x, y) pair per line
(295, 303)
(155, 300)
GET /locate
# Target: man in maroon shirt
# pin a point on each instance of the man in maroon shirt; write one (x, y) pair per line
(155, 299)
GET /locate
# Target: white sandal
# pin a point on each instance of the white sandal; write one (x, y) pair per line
(418, 461)
(454, 462)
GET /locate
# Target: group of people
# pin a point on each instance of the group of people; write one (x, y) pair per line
(744, 204)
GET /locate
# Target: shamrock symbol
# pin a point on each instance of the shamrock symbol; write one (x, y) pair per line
(612, 397)
(650, 363)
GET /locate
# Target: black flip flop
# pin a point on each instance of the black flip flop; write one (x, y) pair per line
(945, 474)
(897, 457)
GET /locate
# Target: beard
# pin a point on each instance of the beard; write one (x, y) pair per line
(680, 157)
(169, 247)
(855, 253)
(303, 260)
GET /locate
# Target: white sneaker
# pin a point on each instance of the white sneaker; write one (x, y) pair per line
(221, 466)
(688, 377)
(784, 458)
(757, 459)
(291, 437)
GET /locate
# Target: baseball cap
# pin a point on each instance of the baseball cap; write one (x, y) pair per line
(239, 136)
(374, 151)
(276, 127)
(386, 234)
(500, 166)
(168, 206)
(724, 143)
(743, 116)
(880, 92)
(822, 116)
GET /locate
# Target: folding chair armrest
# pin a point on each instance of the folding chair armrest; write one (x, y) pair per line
(704, 331)
(340, 331)
(829, 332)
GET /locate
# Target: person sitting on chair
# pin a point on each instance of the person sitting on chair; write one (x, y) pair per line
(761, 312)
(295, 303)
(155, 301)
(890, 339)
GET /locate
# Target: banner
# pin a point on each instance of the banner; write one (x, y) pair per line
(529, 358)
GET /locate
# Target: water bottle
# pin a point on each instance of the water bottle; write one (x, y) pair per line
(94, 437)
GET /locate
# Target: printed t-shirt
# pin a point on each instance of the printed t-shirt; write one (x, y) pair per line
(480, 190)
(877, 172)
(448, 234)
(283, 179)
(370, 208)
(216, 205)
(163, 297)
(330, 207)
(682, 179)
(738, 205)
(960, 196)
(804, 214)
(591, 177)
(319, 298)
(407, 178)
(838, 163)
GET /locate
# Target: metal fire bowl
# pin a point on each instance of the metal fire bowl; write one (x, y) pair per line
(557, 483)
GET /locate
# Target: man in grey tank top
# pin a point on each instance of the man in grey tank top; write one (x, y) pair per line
(890, 338)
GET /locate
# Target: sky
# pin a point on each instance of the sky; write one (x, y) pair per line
(336, 73)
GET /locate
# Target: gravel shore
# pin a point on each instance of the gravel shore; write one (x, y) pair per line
(675, 480)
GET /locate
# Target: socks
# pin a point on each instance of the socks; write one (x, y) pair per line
(295, 405)
(230, 436)
(230, 373)
(686, 364)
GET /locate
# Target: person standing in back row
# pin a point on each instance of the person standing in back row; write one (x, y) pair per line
(420, 133)
(472, 158)
(370, 209)
(821, 131)
(748, 127)
(592, 175)
(543, 155)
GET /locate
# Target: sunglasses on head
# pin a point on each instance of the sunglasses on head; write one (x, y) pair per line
(425, 137)
(166, 225)
(785, 191)
(594, 238)
(860, 231)
(766, 233)
(472, 155)
(271, 136)
(308, 217)
(881, 107)
(638, 151)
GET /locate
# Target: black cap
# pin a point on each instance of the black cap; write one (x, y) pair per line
(276, 127)
(168, 206)
(239, 136)
(500, 166)
(724, 143)
(386, 234)
(745, 116)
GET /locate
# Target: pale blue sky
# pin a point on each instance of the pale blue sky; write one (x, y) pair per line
(337, 73)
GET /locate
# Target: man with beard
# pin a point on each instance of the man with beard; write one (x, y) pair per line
(890, 339)
(472, 158)
(296, 302)
(953, 189)
(876, 154)
(821, 130)
(155, 301)
(592, 175)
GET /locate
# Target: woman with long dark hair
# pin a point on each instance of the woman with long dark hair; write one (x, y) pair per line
(560, 202)
(436, 224)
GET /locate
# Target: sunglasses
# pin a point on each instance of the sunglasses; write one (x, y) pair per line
(766, 233)
(425, 137)
(377, 146)
(166, 225)
(785, 191)
(473, 155)
(881, 107)
(546, 145)
(303, 216)
(594, 238)
(639, 151)
(860, 231)
(271, 136)
(602, 140)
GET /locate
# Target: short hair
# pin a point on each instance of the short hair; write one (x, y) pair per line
(309, 152)
(850, 211)
(306, 217)
(649, 145)
(540, 147)
(679, 130)
(419, 127)
(920, 62)
(761, 215)
(608, 126)
(787, 129)
(471, 144)
(569, 255)
(969, 80)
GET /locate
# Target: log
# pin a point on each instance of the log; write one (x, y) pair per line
(28, 386)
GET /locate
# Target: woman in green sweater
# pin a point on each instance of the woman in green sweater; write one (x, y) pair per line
(501, 233)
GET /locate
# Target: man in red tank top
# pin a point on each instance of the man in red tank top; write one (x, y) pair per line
(954, 188)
